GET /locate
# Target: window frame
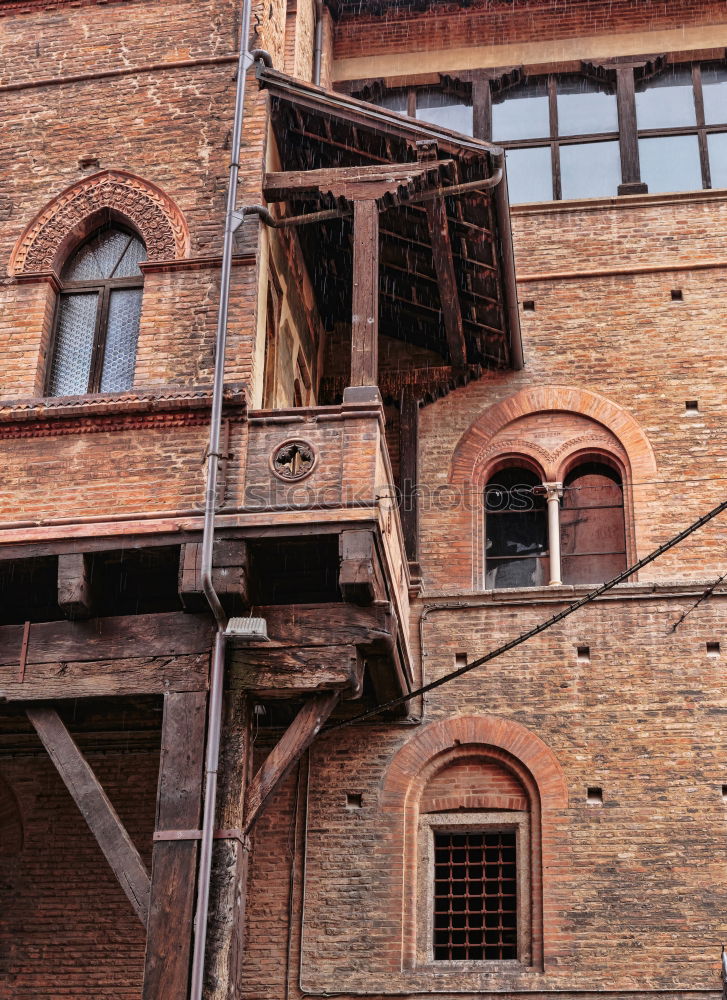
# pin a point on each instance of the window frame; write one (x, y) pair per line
(103, 287)
(474, 822)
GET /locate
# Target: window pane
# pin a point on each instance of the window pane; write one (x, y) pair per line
(667, 101)
(395, 101)
(717, 146)
(529, 174)
(128, 266)
(517, 530)
(73, 347)
(122, 333)
(714, 89)
(584, 107)
(522, 113)
(98, 257)
(444, 109)
(670, 163)
(590, 170)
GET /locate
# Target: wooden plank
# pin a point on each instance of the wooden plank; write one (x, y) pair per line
(408, 471)
(448, 291)
(74, 585)
(104, 678)
(169, 634)
(179, 798)
(365, 318)
(294, 670)
(321, 624)
(230, 572)
(297, 737)
(282, 186)
(95, 807)
(360, 577)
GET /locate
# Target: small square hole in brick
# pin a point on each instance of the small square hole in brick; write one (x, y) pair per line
(529, 305)
(594, 796)
(692, 406)
(460, 660)
(677, 295)
(713, 649)
(724, 793)
(583, 654)
(354, 800)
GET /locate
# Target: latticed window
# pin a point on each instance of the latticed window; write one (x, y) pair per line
(97, 325)
(475, 895)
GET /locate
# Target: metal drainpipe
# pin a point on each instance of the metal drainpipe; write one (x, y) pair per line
(214, 711)
(318, 49)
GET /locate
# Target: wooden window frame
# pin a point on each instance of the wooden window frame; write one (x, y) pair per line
(103, 288)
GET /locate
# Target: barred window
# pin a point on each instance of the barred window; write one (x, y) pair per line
(99, 308)
(475, 895)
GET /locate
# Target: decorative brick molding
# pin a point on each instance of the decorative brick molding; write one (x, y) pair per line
(75, 213)
(474, 739)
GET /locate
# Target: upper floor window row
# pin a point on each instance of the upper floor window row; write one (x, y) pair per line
(632, 128)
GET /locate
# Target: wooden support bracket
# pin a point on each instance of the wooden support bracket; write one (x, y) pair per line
(95, 807)
(297, 737)
(74, 585)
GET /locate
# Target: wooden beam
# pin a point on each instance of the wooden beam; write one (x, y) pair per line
(286, 671)
(342, 181)
(74, 585)
(230, 574)
(321, 624)
(95, 807)
(408, 471)
(297, 737)
(448, 291)
(365, 318)
(174, 862)
(360, 576)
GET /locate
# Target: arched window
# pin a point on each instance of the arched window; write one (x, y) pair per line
(592, 528)
(97, 325)
(517, 530)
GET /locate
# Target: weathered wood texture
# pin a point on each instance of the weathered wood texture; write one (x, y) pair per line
(95, 807)
(365, 318)
(179, 797)
(360, 575)
(291, 670)
(74, 585)
(134, 654)
(339, 181)
(229, 573)
(447, 280)
(296, 738)
(226, 922)
(320, 624)
(408, 456)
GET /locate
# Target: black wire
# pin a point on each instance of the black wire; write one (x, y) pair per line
(506, 647)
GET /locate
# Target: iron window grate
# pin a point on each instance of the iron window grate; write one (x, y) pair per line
(475, 896)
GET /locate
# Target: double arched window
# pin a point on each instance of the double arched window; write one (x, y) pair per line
(97, 323)
(571, 532)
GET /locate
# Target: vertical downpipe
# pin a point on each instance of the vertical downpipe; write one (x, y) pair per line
(214, 715)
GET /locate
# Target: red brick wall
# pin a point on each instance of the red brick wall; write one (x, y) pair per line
(66, 929)
(473, 784)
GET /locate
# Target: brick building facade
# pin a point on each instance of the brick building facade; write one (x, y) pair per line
(447, 414)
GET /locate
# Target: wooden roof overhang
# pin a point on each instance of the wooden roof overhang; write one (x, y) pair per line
(446, 277)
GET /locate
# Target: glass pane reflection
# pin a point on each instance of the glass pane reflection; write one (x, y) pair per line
(590, 170)
(714, 88)
(667, 101)
(670, 163)
(584, 108)
(529, 174)
(522, 113)
(393, 102)
(717, 146)
(444, 109)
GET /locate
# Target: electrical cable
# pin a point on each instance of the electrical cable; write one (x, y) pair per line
(702, 597)
(536, 630)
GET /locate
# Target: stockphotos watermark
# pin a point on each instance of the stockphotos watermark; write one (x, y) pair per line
(446, 497)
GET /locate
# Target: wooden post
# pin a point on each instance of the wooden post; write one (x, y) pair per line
(95, 807)
(174, 861)
(365, 317)
(629, 142)
(226, 921)
(408, 448)
(74, 585)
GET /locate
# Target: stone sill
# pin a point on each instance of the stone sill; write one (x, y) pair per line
(624, 201)
(566, 594)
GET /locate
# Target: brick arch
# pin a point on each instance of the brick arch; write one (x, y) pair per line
(534, 765)
(78, 210)
(548, 398)
(11, 823)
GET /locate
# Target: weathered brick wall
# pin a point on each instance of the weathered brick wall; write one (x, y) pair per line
(67, 930)
(492, 22)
